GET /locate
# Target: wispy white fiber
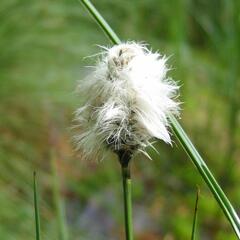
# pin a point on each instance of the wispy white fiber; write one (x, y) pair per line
(126, 101)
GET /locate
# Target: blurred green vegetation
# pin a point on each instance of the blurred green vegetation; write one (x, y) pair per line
(42, 48)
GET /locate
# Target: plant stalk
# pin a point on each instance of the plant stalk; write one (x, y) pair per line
(124, 159)
(195, 215)
(36, 209)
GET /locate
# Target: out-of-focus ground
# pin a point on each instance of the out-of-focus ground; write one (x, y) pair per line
(42, 45)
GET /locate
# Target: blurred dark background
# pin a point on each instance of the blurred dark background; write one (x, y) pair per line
(42, 45)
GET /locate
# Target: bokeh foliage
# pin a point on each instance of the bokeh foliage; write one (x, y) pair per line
(42, 48)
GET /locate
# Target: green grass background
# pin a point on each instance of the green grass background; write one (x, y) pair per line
(41, 58)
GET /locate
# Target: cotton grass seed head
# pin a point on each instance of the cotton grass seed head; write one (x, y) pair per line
(127, 99)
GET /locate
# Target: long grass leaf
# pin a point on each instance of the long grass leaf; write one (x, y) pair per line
(101, 21)
(206, 174)
(37, 220)
(186, 143)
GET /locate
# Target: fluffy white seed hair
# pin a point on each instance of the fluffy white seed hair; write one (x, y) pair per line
(127, 99)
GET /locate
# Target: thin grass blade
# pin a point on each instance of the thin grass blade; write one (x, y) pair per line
(186, 143)
(101, 21)
(37, 220)
(193, 237)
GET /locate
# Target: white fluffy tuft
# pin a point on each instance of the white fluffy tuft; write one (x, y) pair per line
(127, 100)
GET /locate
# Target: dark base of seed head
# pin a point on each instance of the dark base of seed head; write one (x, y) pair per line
(124, 157)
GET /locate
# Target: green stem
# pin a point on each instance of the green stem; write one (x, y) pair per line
(37, 220)
(124, 159)
(206, 174)
(195, 215)
(127, 192)
(101, 21)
